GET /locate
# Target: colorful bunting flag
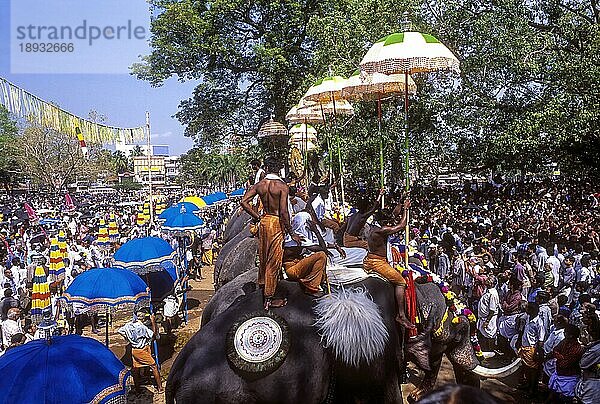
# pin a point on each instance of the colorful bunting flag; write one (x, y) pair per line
(26, 105)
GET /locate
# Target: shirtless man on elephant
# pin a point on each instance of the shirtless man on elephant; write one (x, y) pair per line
(376, 259)
(274, 224)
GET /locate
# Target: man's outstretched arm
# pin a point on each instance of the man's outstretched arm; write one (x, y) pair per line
(246, 199)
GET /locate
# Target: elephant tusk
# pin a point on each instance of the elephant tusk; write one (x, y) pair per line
(497, 373)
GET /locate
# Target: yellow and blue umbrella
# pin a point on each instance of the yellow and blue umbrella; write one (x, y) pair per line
(40, 296)
(113, 229)
(199, 202)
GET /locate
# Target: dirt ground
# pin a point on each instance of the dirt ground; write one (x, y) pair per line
(199, 296)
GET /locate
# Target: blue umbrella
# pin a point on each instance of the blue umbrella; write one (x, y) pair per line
(214, 198)
(143, 255)
(182, 222)
(107, 289)
(161, 282)
(238, 192)
(65, 369)
(176, 209)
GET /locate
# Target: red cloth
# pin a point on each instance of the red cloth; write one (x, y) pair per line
(411, 302)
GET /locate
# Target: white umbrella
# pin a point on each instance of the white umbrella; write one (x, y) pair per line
(407, 53)
(364, 86)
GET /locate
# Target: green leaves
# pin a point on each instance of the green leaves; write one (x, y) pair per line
(528, 94)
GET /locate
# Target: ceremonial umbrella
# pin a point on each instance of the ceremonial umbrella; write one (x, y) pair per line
(272, 128)
(56, 270)
(113, 229)
(64, 369)
(103, 240)
(107, 289)
(407, 53)
(178, 224)
(195, 200)
(140, 219)
(214, 198)
(146, 212)
(303, 136)
(183, 221)
(306, 112)
(161, 282)
(377, 86)
(238, 192)
(40, 296)
(329, 90)
(142, 256)
(62, 244)
(176, 209)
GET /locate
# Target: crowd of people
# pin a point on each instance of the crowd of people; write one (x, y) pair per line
(523, 255)
(30, 222)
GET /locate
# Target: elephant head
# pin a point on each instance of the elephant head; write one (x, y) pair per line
(441, 335)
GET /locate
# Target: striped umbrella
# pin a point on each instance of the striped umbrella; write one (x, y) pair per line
(62, 244)
(113, 229)
(103, 240)
(146, 212)
(40, 296)
(140, 220)
(272, 128)
(57, 266)
(408, 53)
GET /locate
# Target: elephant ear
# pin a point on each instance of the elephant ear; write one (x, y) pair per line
(258, 343)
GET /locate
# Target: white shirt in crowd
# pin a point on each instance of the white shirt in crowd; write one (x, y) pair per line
(534, 332)
(489, 303)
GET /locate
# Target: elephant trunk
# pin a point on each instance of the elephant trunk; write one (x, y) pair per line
(497, 373)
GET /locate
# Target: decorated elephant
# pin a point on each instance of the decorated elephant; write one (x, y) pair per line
(295, 367)
(344, 347)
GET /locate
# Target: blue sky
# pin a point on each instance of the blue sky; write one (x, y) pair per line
(120, 97)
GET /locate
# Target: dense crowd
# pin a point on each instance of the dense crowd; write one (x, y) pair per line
(525, 257)
(25, 244)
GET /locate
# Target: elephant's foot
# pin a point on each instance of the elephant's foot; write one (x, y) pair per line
(418, 393)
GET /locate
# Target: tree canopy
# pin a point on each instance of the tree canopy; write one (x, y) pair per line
(528, 93)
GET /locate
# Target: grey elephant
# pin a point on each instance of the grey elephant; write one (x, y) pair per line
(339, 351)
(202, 372)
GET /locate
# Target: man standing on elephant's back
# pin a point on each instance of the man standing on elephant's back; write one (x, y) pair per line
(275, 219)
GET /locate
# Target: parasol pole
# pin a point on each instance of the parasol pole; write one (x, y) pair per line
(306, 169)
(330, 154)
(337, 138)
(183, 248)
(107, 326)
(381, 165)
(154, 342)
(406, 163)
(149, 170)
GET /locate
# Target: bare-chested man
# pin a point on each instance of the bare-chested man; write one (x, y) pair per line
(376, 259)
(357, 221)
(274, 224)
